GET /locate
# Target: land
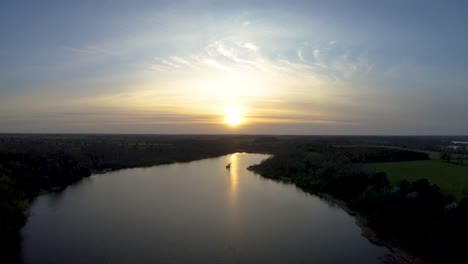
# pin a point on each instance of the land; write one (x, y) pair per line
(451, 178)
(379, 179)
(407, 212)
(447, 174)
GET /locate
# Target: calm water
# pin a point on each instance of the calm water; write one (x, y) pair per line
(191, 212)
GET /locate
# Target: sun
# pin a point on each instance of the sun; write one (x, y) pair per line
(233, 115)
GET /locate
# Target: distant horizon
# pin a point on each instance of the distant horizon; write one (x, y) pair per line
(232, 134)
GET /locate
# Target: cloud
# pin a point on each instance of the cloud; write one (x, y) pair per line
(300, 55)
(230, 55)
(316, 53)
(181, 61)
(250, 46)
(216, 65)
(225, 52)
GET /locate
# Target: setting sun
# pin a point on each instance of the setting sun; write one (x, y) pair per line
(233, 115)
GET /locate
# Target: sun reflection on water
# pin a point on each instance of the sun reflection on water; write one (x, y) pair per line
(233, 201)
(234, 173)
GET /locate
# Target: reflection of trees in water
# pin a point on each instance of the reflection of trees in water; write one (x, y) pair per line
(54, 198)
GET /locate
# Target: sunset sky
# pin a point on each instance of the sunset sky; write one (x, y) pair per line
(266, 67)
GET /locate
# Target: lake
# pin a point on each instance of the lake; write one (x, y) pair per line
(191, 213)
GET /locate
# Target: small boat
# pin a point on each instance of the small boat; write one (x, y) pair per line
(228, 166)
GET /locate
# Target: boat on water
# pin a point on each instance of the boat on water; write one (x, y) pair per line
(228, 166)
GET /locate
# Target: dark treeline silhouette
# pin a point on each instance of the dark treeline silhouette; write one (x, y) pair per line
(379, 154)
(413, 216)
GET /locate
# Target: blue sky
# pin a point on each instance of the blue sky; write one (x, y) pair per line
(289, 67)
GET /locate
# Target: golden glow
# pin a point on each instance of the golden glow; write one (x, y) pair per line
(233, 115)
(233, 195)
(233, 172)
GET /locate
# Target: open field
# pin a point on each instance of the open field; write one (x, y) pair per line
(436, 155)
(451, 178)
(433, 155)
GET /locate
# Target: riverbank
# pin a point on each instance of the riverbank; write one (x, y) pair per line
(396, 255)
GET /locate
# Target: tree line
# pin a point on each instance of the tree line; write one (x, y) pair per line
(415, 216)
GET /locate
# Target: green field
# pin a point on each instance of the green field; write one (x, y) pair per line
(433, 155)
(451, 178)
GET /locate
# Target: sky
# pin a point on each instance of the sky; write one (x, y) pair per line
(275, 67)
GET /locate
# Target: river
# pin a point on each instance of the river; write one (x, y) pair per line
(195, 212)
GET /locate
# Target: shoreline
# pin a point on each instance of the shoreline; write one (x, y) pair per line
(396, 255)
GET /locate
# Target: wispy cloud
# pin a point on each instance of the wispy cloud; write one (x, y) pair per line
(231, 55)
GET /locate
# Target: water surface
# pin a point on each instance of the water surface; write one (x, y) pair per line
(191, 212)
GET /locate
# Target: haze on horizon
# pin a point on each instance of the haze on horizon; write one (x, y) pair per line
(286, 67)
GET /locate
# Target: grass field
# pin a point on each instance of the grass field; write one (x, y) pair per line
(451, 178)
(433, 155)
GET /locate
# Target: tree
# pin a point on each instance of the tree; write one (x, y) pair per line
(445, 156)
